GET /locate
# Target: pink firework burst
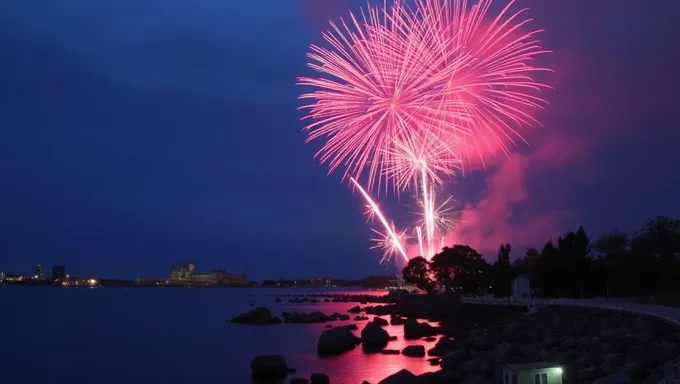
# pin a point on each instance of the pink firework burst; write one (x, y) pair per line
(498, 81)
(404, 93)
(379, 87)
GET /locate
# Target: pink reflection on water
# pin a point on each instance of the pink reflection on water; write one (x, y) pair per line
(356, 365)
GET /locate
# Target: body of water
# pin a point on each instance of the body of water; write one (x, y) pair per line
(148, 335)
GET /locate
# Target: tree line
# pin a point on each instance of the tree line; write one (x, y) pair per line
(616, 264)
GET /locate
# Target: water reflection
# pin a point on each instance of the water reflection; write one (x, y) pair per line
(357, 365)
(112, 336)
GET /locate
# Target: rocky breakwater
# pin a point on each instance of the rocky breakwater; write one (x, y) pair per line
(592, 346)
(334, 298)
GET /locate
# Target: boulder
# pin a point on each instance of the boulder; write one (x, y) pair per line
(299, 380)
(306, 318)
(270, 367)
(444, 345)
(319, 378)
(390, 352)
(401, 377)
(380, 321)
(256, 316)
(415, 330)
(354, 309)
(373, 336)
(414, 351)
(336, 341)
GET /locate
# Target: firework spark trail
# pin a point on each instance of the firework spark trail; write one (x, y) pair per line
(406, 93)
(395, 239)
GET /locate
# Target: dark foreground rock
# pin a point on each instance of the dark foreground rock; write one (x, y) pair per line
(269, 367)
(401, 377)
(592, 346)
(414, 351)
(415, 330)
(320, 378)
(336, 341)
(374, 337)
(256, 316)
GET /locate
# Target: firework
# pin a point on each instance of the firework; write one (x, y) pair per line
(405, 93)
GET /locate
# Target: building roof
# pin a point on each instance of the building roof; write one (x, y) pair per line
(525, 277)
(531, 366)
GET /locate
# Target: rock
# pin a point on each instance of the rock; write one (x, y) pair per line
(429, 338)
(401, 377)
(414, 351)
(619, 378)
(256, 316)
(452, 359)
(335, 341)
(390, 352)
(444, 345)
(277, 300)
(319, 378)
(501, 352)
(272, 367)
(380, 321)
(360, 318)
(589, 374)
(306, 318)
(434, 360)
(355, 309)
(299, 380)
(397, 320)
(374, 337)
(415, 330)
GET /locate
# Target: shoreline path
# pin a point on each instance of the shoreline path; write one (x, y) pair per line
(670, 315)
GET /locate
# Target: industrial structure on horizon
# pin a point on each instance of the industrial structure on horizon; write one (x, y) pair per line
(187, 272)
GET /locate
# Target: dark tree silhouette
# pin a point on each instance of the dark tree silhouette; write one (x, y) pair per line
(502, 272)
(615, 264)
(460, 267)
(662, 237)
(417, 272)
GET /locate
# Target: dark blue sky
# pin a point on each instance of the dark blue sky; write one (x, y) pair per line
(134, 134)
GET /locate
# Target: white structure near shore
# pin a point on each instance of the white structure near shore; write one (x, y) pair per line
(521, 288)
(532, 373)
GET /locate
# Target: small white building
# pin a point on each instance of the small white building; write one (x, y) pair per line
(521, 287)
(532, 373)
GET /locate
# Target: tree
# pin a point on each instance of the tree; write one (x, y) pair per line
(459, 267)
(575, 261)
(417, 272)
(527, 265)
(612, 243)
(502, 273)
(662, 237)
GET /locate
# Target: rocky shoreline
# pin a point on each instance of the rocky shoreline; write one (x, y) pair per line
(475, 341)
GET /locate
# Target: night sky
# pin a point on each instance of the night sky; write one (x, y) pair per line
(136, 133)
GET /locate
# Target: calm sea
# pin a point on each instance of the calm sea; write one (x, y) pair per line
(147, 335)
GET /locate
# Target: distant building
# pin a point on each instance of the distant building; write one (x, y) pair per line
(521, 287)
(2, 276)
(58, 272)
(321, 281)
(532, 373)
(39, 272)
(188, 272)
